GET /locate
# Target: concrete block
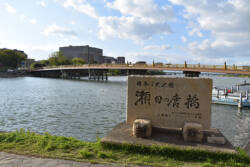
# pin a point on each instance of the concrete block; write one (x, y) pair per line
(193, 132)
(216, 140)
(142, 128)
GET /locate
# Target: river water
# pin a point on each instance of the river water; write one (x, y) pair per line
(89, 109)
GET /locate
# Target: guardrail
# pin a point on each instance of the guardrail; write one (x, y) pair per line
(158, 66)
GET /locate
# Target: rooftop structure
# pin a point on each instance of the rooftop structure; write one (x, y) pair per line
(120, 60)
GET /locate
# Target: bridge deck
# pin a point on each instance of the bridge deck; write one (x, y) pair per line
(196, 68)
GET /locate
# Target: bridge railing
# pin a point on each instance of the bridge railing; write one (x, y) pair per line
(158, 66)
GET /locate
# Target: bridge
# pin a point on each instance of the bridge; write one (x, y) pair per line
(99, 71)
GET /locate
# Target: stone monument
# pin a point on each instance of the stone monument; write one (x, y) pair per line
(173, 111)
(169, 102)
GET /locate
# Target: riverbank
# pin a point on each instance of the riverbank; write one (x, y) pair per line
(69, 148)
(12, 74)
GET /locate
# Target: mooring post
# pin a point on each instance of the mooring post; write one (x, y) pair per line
(240, 102)
(106, 75)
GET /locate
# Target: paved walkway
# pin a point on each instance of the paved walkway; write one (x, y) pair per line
(12, 160)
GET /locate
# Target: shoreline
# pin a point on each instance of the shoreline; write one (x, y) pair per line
(12, 74)
(59, 147)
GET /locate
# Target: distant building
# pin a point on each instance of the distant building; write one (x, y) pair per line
(109, 60)
(89, 54)
(120, 60)
(246, 67)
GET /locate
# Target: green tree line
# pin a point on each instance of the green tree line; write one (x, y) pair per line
(57, 59)
(11, 58)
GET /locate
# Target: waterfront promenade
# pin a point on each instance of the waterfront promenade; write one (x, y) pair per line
(12, 160)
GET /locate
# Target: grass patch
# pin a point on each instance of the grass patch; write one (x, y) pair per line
(46, 145)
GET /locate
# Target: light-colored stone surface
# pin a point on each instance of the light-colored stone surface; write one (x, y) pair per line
(216, 140)
(193, 132)
(169, 102)
(12, 160)
(141, 124)
(121, 134)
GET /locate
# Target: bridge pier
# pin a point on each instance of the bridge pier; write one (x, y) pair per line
(95, 74)
(70, 74)
(136, 72)
(191, 73)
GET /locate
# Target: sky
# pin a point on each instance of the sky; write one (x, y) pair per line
(168, 31)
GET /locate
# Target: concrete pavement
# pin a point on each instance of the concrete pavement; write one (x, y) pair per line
(12, 160)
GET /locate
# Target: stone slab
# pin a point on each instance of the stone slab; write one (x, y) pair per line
(122, 134)
(216, 140)
(169, 102)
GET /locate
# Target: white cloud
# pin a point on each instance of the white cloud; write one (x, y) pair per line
(194, 29)
(146, 10)
(156, 47)
(24, 18)
(10, 8)
(129, 28)
(149, 57)
(54, 30)
(42, 3)
(228, 23)
(33, 21)
(81, 6)
(140, 20)
(184, 39)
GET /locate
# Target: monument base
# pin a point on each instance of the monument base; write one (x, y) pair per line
(122, 134)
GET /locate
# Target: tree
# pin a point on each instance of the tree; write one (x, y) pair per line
(78, 61)
(40, 64)
(57, 59)
(11, 58)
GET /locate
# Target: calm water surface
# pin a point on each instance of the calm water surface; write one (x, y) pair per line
(88, 109)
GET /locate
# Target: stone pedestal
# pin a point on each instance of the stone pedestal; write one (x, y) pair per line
(193, 132)
(215, 137)
(121, 134)
(142, 128)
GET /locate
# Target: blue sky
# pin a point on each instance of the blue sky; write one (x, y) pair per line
(169, 31)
